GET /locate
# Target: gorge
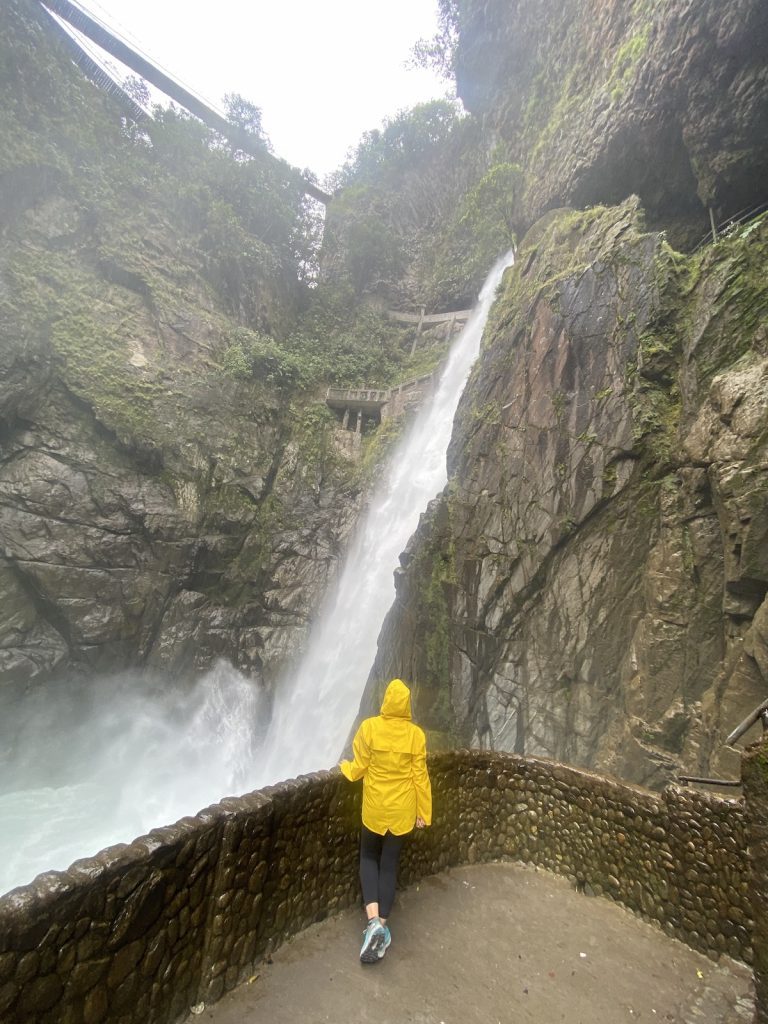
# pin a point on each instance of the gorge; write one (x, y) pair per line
(591, 583)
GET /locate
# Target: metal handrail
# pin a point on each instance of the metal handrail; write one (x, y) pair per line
(723, 229)
(429, 318)
(759, 714)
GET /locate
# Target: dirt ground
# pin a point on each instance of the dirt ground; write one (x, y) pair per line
(492, 944)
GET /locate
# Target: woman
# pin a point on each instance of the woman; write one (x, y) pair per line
(390, 755)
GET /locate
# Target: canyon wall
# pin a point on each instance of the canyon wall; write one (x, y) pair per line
(169, 493)
(591, 585)
(602, 99)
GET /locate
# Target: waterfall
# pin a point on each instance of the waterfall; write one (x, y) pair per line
(314, 711)
(84, 766)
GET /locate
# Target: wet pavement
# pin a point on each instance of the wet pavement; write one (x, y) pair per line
(492, 944)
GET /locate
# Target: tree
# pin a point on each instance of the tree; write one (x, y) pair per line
(439, 53)
(405, 142)
(490, 207)
(247, 116)
(138, 90)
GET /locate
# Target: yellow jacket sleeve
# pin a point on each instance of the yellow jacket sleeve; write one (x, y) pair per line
(421, 780)
(361, 757)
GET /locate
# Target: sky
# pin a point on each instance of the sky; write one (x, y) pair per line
(322, 72)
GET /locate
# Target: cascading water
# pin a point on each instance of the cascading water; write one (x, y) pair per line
(84, 767)
(314, 712)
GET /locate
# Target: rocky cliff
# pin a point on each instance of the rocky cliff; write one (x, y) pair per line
(168, 492)
(598, 100)
(592, 582)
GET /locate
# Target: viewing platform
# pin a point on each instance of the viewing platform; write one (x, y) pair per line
(492, 943)
(365, 405)
(541, 893)
(376, 405)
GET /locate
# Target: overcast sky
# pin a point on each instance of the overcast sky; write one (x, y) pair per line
(322, 71)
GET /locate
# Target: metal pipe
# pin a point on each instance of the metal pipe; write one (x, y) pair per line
(685, 779)
(760, 713)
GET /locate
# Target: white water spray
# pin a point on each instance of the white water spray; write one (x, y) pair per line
(82, 768)
(313, 713)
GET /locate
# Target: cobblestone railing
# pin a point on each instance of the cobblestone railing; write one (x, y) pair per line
(754, 773)
(142, 932)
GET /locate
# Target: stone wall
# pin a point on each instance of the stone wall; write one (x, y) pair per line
(142, 932)
(755, 779)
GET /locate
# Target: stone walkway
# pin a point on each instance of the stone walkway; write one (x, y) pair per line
(492, 944)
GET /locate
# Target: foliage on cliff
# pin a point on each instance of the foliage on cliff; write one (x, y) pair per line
(241, 221)
(170, 488)
(420, 217)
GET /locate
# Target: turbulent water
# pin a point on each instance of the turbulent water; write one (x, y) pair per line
(84, 767)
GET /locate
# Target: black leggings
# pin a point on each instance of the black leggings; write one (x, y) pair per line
(378, 867)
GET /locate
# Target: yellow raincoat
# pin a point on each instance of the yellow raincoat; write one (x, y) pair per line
(390, 756)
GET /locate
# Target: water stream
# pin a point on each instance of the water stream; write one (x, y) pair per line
(86, 766)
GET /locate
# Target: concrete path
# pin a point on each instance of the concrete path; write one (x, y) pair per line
(492, 944)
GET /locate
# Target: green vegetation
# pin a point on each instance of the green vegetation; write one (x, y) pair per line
(558, 104)
(409, 198)
(244, 223)
(626, 60)
(251, 354)
(737, 263)
(568, 238)
(313, 431)
(49, 298)
(480, 230)
(439, 52)
(338, 342)
(378, 446)
(436, 578)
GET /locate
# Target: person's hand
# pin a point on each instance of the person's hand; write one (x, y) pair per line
(420, 823)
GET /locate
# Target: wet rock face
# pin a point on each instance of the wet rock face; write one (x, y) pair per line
(113, 557)
(157, 506)
(600, 100)
(153, 509)
(592, 581)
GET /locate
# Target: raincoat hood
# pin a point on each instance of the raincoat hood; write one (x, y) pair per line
(397, 700)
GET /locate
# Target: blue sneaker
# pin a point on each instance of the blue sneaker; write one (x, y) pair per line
(374, 942)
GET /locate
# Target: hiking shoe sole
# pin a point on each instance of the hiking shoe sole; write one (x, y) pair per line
(386, 943)
(375, 949)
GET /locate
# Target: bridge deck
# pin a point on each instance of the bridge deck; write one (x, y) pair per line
(492, 944)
